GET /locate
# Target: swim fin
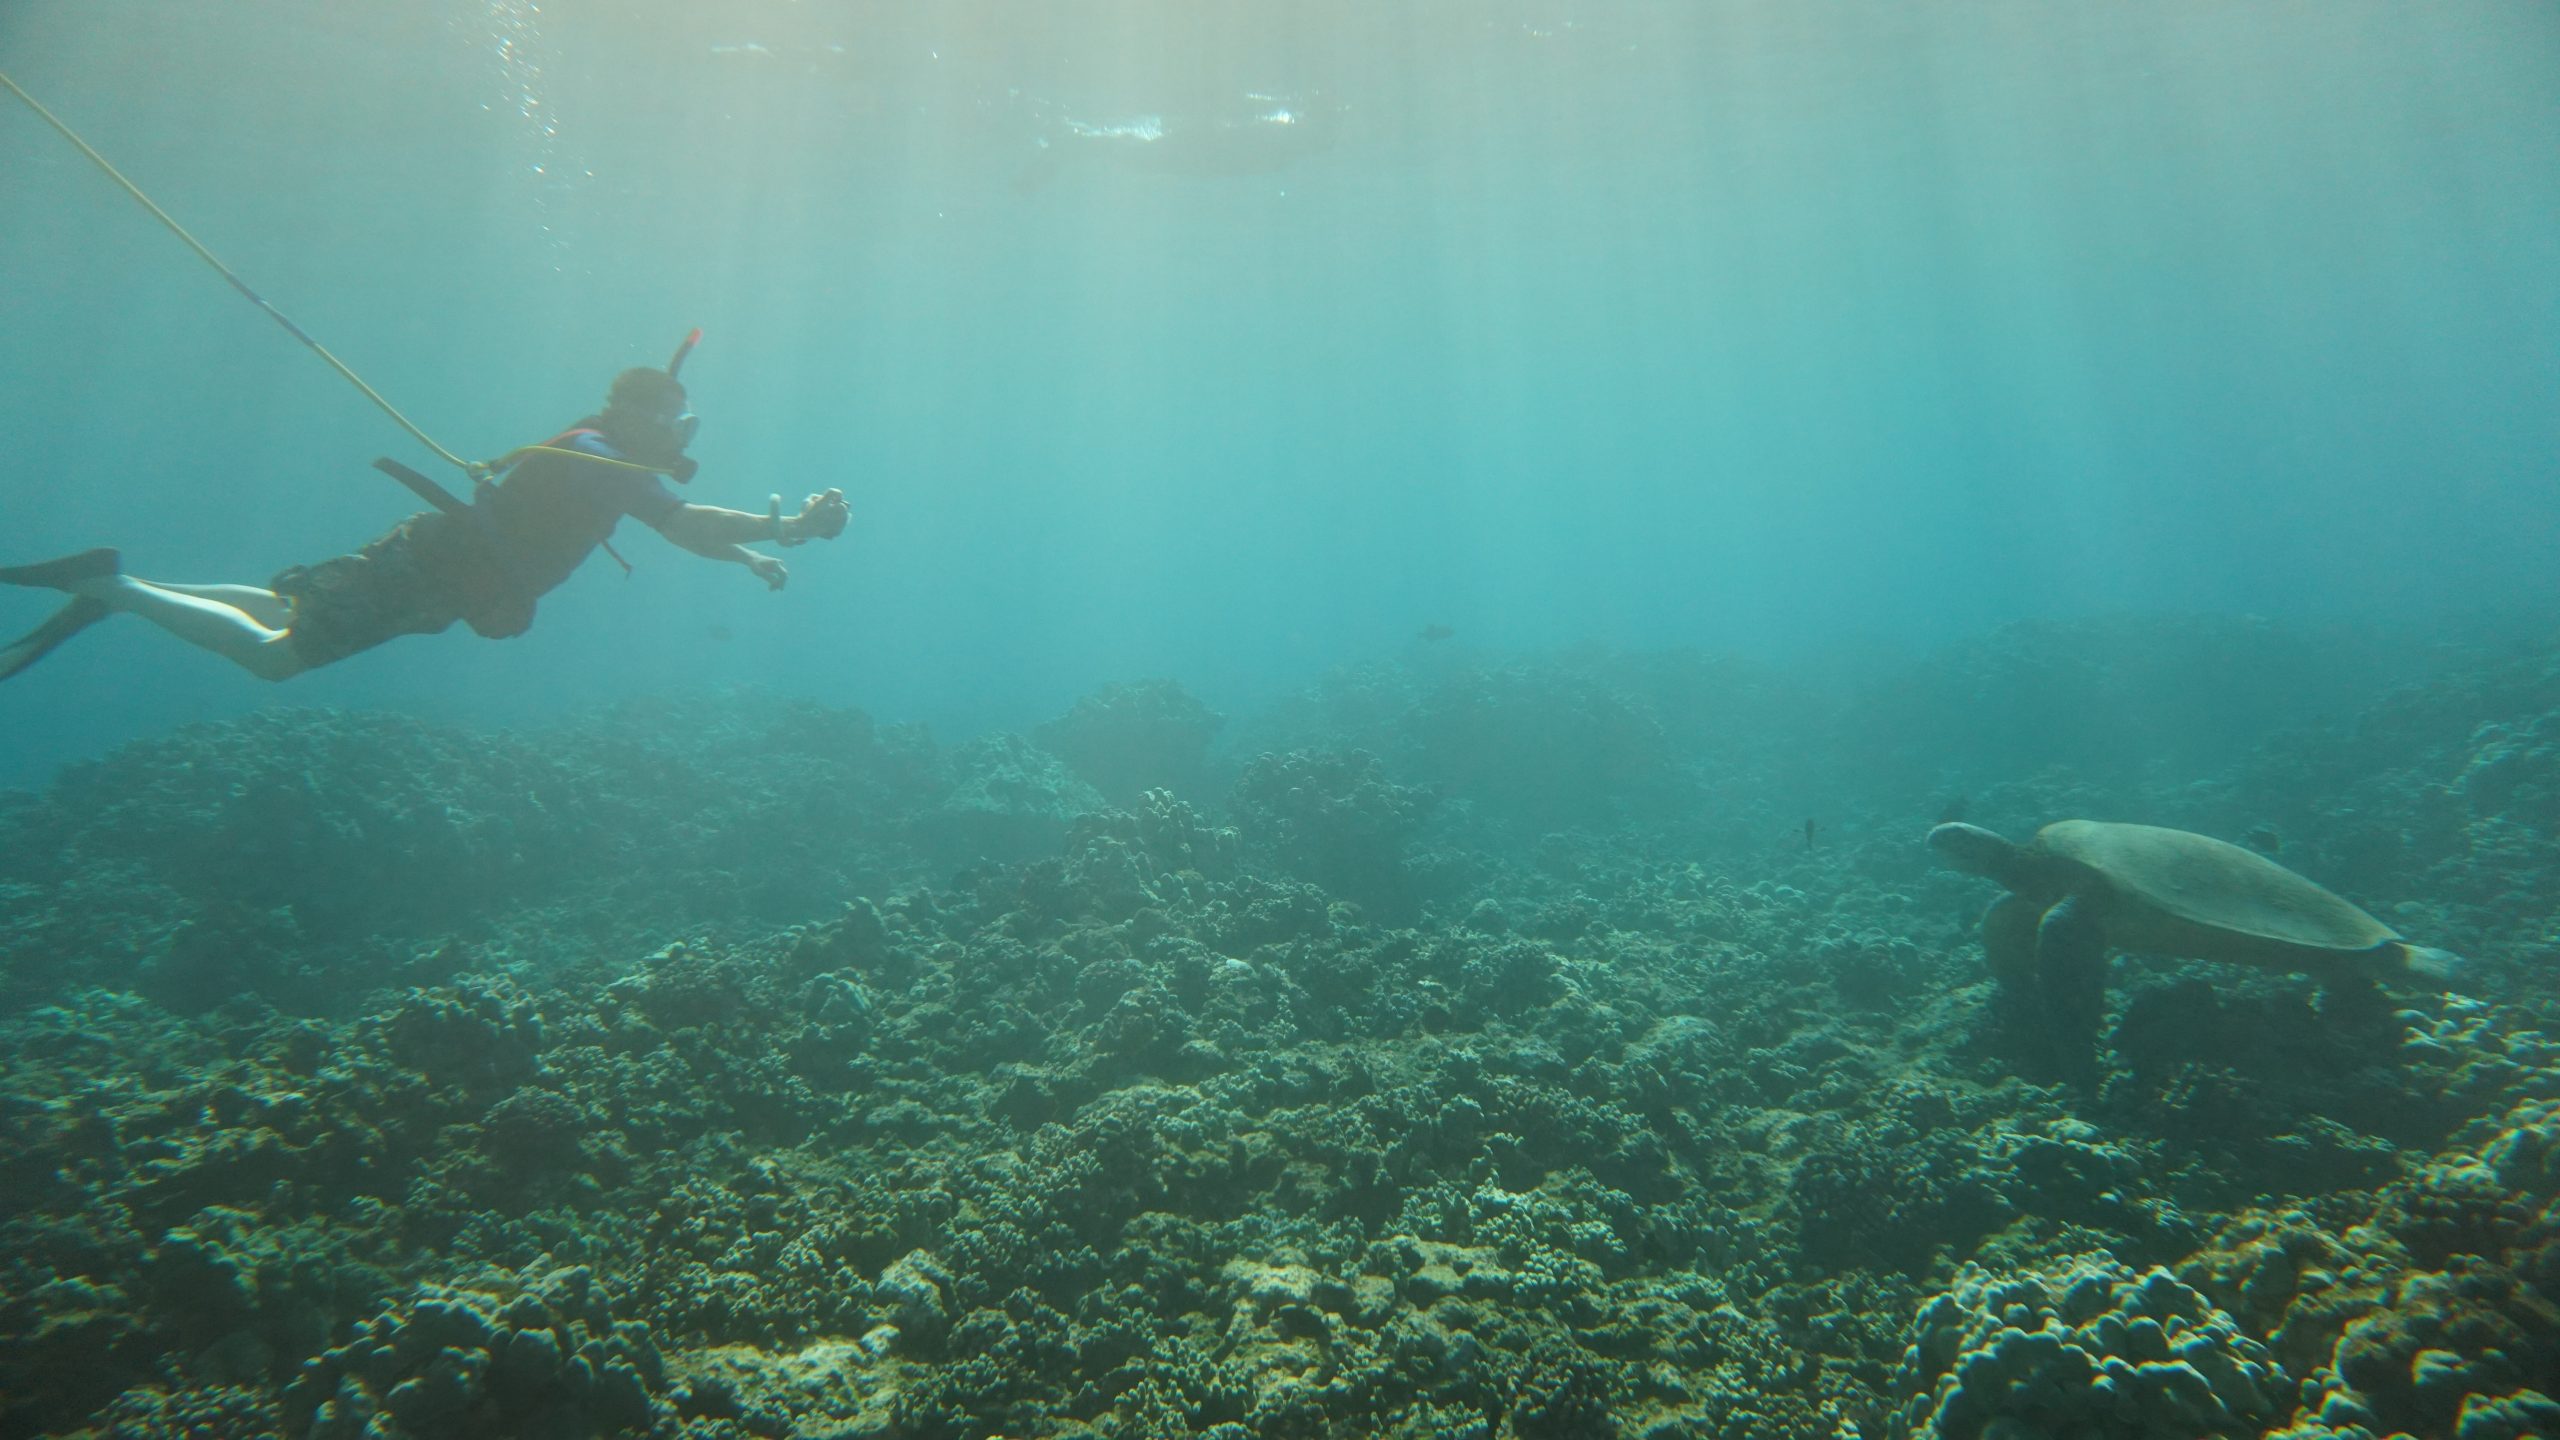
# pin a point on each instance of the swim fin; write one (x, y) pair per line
(65, 572)
(43, 640)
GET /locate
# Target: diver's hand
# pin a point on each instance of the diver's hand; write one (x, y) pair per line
(767, 569)
(821, 517)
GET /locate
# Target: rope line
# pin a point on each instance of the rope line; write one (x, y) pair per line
(296, 331)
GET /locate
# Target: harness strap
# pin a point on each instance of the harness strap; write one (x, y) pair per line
(487, 475)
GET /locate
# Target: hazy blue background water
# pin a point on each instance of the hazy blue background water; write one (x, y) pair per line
(1791, 328)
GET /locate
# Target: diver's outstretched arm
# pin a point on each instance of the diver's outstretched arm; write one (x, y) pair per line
(702, 528)
(717, 534)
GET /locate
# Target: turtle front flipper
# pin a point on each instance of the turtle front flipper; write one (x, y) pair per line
(2009, 944)
(2071, 973)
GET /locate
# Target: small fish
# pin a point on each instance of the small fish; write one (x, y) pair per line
(719, 632)
(2264, 840)
(1809, 828)
(1952, 811)
(1434, 634)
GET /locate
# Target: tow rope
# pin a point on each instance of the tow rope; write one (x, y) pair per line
(479, 471)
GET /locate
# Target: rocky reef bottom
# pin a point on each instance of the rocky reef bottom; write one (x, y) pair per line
(1189, 1125)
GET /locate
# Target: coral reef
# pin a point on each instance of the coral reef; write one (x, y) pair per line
(1125, 740)
(827, 1081)
(2089, 1348)
(542, 1356)
(1336, 820)
(1009, 801)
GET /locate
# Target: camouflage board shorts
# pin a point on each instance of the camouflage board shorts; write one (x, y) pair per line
(416, 580)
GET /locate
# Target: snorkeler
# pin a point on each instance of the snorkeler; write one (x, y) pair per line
(485, 563)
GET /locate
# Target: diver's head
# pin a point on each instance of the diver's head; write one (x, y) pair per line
(646, 417)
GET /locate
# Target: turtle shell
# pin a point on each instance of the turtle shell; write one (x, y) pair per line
(2205, 882)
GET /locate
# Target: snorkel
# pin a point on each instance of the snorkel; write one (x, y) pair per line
(687, 424)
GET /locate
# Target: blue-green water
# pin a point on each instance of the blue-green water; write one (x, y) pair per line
(1494, 591)
(1780, 329)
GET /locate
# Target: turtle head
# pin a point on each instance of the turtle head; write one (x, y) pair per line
(2432, 969)
(1975, 851)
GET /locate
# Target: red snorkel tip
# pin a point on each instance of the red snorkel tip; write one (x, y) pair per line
(676, 365)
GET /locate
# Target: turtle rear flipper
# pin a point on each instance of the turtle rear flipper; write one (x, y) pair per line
(2436, 969)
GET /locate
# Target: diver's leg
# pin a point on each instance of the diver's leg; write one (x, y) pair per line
(2071, 976)
(262, 605)
(226, 630)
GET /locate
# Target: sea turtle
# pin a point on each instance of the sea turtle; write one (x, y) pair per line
(2081, 888)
